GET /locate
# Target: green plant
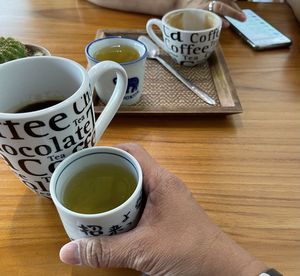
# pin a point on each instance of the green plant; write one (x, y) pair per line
(11, 49)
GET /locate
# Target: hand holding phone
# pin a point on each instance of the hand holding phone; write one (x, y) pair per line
(258, 33)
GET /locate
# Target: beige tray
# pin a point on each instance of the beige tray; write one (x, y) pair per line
(163, 93)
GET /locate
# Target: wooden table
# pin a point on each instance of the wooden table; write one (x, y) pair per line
(244, 169)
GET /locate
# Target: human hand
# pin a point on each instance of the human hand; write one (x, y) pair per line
(221, 7)
(173, 237)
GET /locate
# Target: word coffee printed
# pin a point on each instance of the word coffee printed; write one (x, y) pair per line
(50, 142)
(190, 47)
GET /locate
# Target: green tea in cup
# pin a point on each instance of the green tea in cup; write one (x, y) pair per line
(98, 191)
(98, 188)
(117, 52)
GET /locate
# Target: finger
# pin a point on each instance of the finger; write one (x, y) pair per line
(142, 156)
(151, 169)
(226, 10)
(123, 250)
(232, 4)
(236, 6)
(225, 23)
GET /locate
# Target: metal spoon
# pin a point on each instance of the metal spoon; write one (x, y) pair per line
(153, 53)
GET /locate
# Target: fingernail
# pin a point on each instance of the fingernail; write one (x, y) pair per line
(69, 253)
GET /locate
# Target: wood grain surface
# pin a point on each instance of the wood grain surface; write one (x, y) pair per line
(243, 169)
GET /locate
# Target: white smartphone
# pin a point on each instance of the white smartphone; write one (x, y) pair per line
(258, 33)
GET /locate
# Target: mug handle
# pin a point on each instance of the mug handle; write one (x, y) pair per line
(111, 108)
(152, 34)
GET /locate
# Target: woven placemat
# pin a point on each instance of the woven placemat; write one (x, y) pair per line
(164, 93)
(164, 90)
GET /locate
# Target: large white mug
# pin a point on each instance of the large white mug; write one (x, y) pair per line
(34, 140)
(189, 35)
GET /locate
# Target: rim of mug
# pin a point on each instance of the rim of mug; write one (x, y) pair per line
(98, 149)
(87, 48)
(26, 115)
(195, 10)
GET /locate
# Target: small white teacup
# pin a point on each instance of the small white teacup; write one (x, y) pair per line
(99, 178)
(189, 35)
(129, 53)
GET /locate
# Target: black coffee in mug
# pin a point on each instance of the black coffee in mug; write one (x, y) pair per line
(37, 106)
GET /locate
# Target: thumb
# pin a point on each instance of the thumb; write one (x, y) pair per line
(123, 250)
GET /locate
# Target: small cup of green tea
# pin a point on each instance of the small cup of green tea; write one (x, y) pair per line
(129, 53)
(97, 191)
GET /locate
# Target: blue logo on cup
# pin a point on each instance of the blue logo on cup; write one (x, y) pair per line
(132, 87)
